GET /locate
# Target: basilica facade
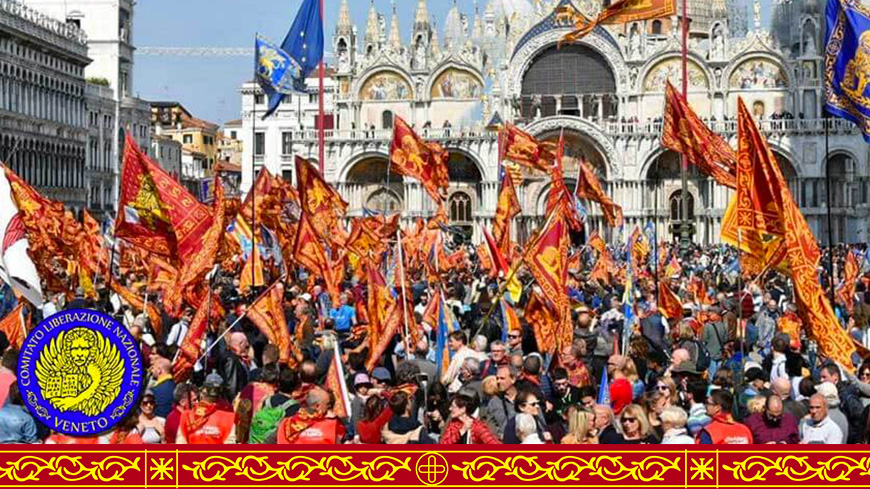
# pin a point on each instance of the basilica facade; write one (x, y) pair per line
(456, 81)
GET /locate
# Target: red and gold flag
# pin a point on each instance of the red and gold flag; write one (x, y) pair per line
(394, 324)
(319, 199)
(758, 167)
(413, 157)
(620, 12)
(137, 303)
(161, 274)
(202, 260)
(252, 273)
(379, 303)
(684, 132)
(850, 272)
(560, 198)
(669, 303)
(267, 313)
(552, 331)
(498, 261)
(589, 188)
(14, 327)
(309, 253)
(596, 242)
(521, 148)
(191, 346)
(155, 212)
(546, 257)
(508, 207)
(605, 268)
(673, 267)
(640, 249)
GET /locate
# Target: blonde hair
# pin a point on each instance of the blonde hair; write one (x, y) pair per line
(756, 404)
(629, 369)
(674, 415)
(580, 424)
(637, 412)
(672, 388)
(489, 386)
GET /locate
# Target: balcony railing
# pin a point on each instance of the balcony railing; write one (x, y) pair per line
(610, 128)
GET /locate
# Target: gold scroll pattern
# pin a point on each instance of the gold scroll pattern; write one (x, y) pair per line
(297, 468)
(68, 468)
(799, 468)
(568, 468)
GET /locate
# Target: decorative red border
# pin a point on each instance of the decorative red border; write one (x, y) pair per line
(592, 466)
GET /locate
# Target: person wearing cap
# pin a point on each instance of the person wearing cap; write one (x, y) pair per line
(722, 430)
(817, 427)
(381, 378)
(204, 423)
(754, 385)
(829, 390)
(849, 403)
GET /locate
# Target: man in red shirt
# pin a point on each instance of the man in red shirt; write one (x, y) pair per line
(311, 425)
(723, 430)
(205, 423)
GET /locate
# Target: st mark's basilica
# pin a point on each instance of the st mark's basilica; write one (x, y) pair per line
(456, 79)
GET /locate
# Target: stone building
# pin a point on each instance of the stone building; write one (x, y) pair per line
(43, 95)
(501, 63)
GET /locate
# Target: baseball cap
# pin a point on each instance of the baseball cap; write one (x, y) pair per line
(213, 380)
(361, 379)
(381, 374)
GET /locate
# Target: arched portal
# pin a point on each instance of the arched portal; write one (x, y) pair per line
(571, 80)
(368, 186)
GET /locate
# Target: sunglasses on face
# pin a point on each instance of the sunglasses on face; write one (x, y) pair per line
(147, 403)
(663, 388)
(629, 420)
(513, 336)
(532, 404)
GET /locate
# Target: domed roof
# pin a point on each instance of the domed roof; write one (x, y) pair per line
(508, 8)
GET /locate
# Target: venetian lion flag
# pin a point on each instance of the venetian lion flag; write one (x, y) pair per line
(619, 12)
(758, 166)
(846, 62)
(309, 253)
(547, 259)
(13, 326)
(155, 212)
(589, 188)
(521, 148)
(318, 199)
(267, 313)
(507, 208)
(669, 303)
(847, 290)
(413, 157)
(16, 267)
(684, 132)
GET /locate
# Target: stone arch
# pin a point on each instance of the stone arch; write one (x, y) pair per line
(471, 157)
(605, 147)
(444, 68)
(376, 71)
(671, 61)
(528, 52)
(740, 72)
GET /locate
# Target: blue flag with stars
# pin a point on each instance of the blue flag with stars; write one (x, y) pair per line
(296, 58)
(847, 62)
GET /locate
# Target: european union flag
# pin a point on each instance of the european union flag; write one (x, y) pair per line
(847, 62)
(282, 70)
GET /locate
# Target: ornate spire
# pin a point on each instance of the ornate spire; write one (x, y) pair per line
(344, 23)
(395, 40)
(421, 18)
(434, 45)
(477, 25)
(372, 28)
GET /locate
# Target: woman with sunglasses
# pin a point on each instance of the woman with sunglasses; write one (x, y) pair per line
(152, 428)
(528, 402)
(635, 426)
(668, 389)
(463, 427)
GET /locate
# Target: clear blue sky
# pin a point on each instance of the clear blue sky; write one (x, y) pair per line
(208, 86)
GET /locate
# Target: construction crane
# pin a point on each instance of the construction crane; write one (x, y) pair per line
(199, 51)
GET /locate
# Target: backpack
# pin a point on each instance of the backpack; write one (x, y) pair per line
(703, 357)
(266, 421)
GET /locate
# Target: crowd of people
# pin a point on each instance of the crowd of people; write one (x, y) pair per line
(732, 370)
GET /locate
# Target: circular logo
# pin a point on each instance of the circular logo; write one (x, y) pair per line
(80, 372)
(432, 468)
